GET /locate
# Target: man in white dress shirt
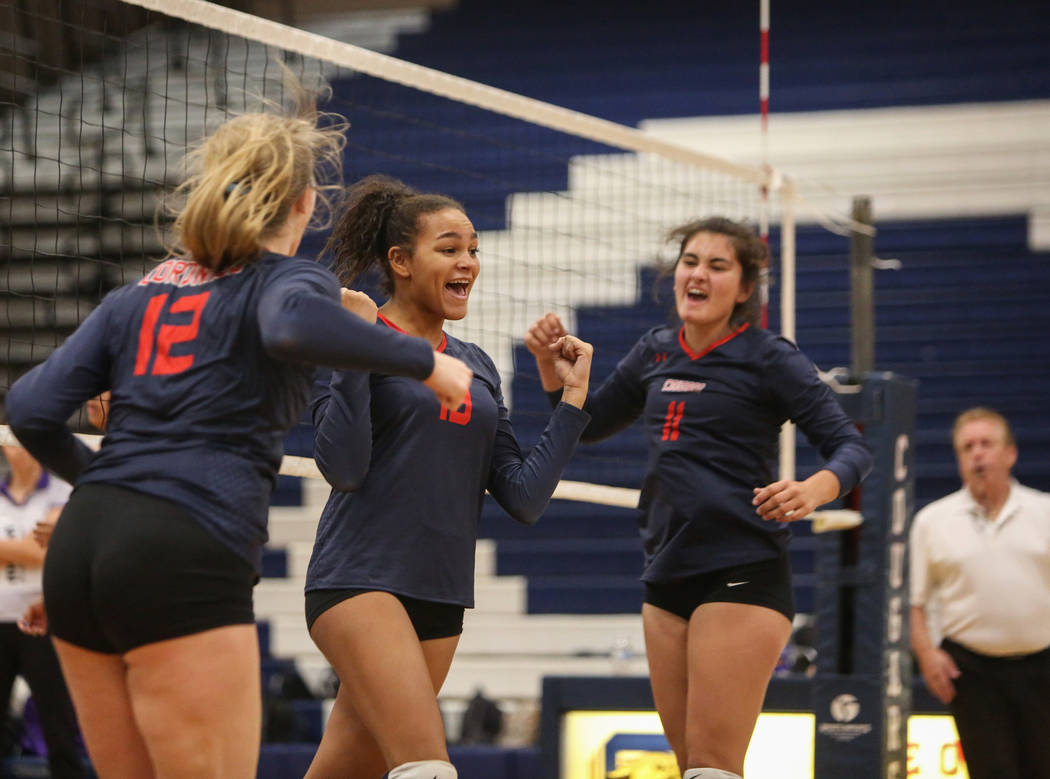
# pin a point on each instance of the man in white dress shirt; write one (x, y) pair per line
(980, 558)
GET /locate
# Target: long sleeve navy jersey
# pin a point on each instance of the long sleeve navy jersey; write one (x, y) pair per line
(208, 371)
(712, 421)
(417, 475)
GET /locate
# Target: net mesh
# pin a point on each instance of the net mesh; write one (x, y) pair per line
(101, 98)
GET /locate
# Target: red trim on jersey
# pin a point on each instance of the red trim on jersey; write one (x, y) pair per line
(697, 355)
(440, 347)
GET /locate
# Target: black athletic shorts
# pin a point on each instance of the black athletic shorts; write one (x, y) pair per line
(765, 583)
(124, 569)
(429, 618)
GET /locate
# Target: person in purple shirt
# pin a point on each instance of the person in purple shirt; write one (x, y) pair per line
(209, 358)
(393, 564)
(713, 394)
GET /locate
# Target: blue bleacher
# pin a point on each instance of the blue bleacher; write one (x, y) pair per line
(673, 58)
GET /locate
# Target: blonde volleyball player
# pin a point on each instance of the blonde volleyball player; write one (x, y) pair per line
(148, 577)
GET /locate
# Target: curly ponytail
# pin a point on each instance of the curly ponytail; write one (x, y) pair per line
(380, 212)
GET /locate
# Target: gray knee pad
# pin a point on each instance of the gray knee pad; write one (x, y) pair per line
(424, 769)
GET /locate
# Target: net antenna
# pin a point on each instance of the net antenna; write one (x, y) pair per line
(763, 109)
(787, 314)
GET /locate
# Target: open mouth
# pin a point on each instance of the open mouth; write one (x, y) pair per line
(459, 288)
(696, 295)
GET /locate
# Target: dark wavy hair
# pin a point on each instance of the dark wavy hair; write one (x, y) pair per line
(379, 212)
(751, 252)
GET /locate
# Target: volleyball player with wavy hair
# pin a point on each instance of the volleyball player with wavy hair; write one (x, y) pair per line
(713, 394)
(149, 574)
(393, 565)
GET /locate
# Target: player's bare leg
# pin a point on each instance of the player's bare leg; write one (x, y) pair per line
(198, 703)
(733, 649)
(98, 686)
(391, 678)
(665, 649)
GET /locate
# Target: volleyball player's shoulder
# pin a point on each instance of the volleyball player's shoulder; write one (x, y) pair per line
(662, 338)
(476, 357)
(774, 351)
(300, 268)
(115, 297)
(771, 344)
(652, 348)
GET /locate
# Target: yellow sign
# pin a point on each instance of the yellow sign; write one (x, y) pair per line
(933, 748)
(628, 745)
(631, 745)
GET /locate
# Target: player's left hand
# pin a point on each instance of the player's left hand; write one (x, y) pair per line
(572, 362)
(787, 500)
(34, 621)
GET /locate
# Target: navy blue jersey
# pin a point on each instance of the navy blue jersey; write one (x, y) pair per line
(410, 524)
(208, 372)
(713, 421)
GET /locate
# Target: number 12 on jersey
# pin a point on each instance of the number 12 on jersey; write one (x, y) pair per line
(156, 343)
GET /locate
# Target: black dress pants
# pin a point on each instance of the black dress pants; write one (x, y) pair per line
(1002, 712)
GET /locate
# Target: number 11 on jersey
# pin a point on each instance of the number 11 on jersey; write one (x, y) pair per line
(673, 420)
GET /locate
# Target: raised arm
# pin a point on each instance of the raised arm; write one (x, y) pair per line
(301, 320)
(616, 403)
(523, 485)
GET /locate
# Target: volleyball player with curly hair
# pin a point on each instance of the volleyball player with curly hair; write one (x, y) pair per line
(393, 563)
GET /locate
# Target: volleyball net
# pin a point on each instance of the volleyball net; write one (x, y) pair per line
(100, 102)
